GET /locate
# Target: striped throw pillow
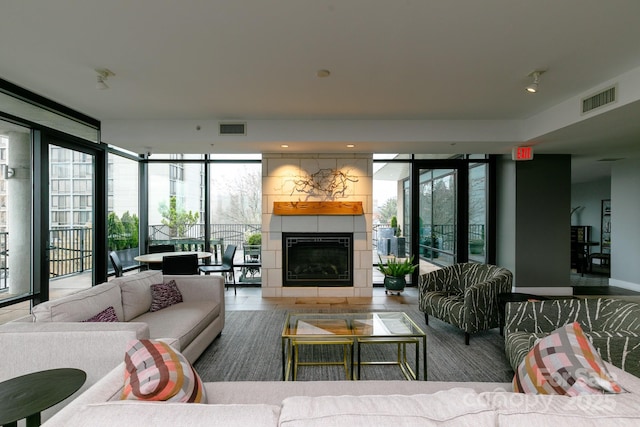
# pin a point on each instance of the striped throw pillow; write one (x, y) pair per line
(164, 295)
(155, 371)
(106, 315)
(564, 363)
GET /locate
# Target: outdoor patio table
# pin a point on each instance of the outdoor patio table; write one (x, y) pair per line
(156, 258)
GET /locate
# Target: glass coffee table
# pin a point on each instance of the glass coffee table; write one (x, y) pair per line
(352, 331)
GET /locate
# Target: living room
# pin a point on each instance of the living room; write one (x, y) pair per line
(331, 85)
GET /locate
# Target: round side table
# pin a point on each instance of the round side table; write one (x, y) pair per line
(28, 395)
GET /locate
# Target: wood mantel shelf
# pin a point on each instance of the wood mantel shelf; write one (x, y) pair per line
(318, 208)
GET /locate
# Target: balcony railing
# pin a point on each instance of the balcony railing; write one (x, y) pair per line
(71, 248)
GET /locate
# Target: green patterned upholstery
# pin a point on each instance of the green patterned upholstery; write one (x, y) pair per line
(612, 325)
(464, 295)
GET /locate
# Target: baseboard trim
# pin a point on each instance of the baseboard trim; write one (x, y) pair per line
(625, 285)
(546, 291)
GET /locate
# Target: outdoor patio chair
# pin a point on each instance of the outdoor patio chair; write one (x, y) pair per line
(180, 264)
(225, 268)
(117, 265)
(156, 249)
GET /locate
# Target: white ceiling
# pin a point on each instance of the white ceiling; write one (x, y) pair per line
(427, 61)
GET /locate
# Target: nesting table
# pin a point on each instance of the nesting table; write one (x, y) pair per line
(352, 331)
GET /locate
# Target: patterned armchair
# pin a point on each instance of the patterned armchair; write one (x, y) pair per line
(612, 325)
(464, 295)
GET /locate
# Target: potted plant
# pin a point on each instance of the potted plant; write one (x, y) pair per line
(394, 273)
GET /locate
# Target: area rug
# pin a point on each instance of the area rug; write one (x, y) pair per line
(250, 349)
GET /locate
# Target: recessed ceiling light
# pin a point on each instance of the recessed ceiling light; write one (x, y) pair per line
(323, 73)
(350, 145)
(284, 146)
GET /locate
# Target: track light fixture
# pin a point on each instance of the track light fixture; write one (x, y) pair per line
(103, 75)
(535, 75)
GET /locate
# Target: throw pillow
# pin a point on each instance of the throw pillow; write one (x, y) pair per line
(106, 315)
(564, 363)
(164, 295)
(155, 371)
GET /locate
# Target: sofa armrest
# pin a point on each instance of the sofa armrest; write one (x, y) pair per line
(198, 288)
(481, 303)
(93, 347)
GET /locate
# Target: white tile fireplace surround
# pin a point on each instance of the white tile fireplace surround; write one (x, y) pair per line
(281, 175)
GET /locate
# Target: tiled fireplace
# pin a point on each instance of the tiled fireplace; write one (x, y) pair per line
(317, 259)
(285, 179)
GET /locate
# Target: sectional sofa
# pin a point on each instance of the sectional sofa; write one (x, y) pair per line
(612, 325)
(56, 335)
(353, 404)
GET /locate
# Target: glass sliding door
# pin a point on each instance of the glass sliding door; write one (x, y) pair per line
(70, 243)
(438, 215)
(16, 184)
(392, 230)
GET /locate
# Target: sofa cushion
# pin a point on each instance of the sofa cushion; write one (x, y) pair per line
(183, 321)
(106, 315)
(164, 295)
(530, 410)
(389, 410)
(160, 414)
(81, 305)
(136, 292)
(155, 371)
(565, 362)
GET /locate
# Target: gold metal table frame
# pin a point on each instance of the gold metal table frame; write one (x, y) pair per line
(352, 331)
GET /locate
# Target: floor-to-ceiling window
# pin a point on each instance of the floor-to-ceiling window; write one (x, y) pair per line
(45, 189)
(478, 211)
(176, 205)
(16, 183)
(205, 202)
(236, 210)
(123, 220)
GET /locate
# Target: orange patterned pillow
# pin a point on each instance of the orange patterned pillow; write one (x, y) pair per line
(155, 371)
(566, 363)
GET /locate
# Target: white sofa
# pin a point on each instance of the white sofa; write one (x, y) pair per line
(55, 336)
(353, 404)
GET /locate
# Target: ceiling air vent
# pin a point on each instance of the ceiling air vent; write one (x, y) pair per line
(233, 128)
(600, 99)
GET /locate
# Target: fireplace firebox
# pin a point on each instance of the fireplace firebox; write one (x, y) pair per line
(317, 259)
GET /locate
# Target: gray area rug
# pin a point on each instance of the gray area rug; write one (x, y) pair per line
(250, 349)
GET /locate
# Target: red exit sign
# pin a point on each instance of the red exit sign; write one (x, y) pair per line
(522, 153)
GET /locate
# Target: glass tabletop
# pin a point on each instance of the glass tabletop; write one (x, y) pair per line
(366, 324)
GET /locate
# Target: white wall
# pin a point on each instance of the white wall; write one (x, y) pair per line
(625, 224)
(589, 196)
